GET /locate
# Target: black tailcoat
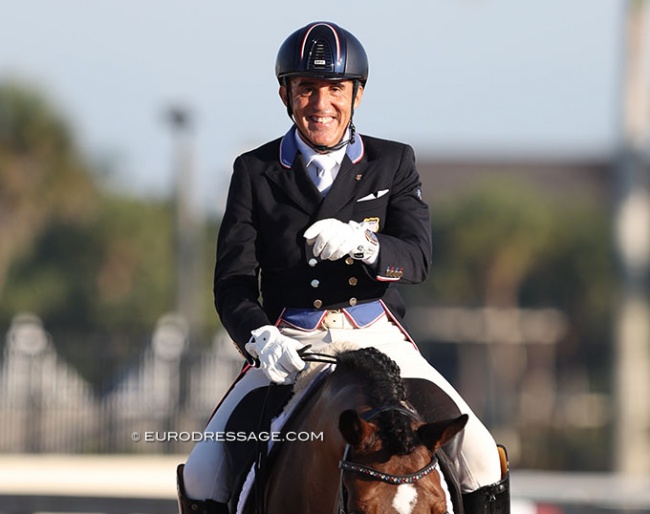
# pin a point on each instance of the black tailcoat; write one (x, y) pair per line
(263, 263)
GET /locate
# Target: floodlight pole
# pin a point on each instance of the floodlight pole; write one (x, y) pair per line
(187, 229)
(632, 242)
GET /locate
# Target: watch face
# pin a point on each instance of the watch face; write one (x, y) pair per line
(371, 237)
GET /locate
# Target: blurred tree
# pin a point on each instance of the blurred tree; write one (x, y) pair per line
(576, 273)
(487, 241)
(504, 243)
(112, 273)
(507, 244)
(43, 177)
(93, 265)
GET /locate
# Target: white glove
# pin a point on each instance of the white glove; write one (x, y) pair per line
(332, 239)
(278, 354)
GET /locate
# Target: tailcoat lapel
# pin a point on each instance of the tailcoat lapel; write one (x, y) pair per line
(344, 189)
(292, 177)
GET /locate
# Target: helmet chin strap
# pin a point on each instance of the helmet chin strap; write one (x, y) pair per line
(325, 148)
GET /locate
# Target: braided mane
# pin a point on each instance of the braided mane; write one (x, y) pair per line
(383, 387)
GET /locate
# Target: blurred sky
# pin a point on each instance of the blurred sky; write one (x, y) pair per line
(451, 77)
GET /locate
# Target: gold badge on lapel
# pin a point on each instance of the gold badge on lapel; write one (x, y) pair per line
(373, 224)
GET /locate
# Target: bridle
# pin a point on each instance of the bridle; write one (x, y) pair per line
(374, 474)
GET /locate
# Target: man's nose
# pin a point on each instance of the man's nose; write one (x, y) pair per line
(320, 97)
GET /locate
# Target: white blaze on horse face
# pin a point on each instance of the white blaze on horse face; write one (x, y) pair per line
(405, 498)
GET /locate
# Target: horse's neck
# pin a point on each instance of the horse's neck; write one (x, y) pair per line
(310, 469)
(336, 396)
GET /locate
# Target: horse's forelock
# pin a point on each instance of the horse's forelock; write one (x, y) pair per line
(384, 387)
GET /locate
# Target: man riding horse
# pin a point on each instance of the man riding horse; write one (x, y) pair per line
(320, 226)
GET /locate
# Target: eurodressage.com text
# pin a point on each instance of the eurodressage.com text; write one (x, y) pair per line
(183, 437)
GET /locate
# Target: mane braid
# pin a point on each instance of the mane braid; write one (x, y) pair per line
(383, 387)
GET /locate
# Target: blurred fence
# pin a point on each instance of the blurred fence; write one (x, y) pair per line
(46, 406)
(504, 366)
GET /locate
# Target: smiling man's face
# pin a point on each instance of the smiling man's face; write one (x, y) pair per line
(321, 108)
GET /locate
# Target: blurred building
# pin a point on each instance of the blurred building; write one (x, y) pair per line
(592, 177)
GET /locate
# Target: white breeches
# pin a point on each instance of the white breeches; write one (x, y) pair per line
(206, 473)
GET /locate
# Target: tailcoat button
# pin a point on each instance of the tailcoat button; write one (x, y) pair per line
(353, 301)
(318, 304)
(349, 261)
(315, 283)
(353, 281)
(312, 262)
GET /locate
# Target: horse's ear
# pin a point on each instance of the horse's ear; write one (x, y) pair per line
(354, 429)
(434, 435)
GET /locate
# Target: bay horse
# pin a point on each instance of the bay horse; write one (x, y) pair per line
(374, 454)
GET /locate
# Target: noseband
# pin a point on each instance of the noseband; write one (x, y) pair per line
(374, 474)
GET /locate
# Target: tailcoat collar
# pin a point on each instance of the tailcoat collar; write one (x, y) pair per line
(289, 149)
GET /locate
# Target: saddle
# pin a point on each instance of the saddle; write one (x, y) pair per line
(432, 403)
(254, 414)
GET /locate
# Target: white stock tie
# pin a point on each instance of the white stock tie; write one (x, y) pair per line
(323, 165)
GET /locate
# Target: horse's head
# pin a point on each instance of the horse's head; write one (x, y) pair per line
(401, 475)
(386, 453)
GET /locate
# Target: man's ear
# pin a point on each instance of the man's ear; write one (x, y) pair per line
(357, 100)
(283, 94)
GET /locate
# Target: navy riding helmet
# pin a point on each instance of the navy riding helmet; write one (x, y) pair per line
(323, 50)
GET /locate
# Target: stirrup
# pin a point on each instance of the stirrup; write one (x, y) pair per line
(494, 498)
(188, 506)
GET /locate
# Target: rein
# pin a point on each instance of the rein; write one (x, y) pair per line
(325, 358)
